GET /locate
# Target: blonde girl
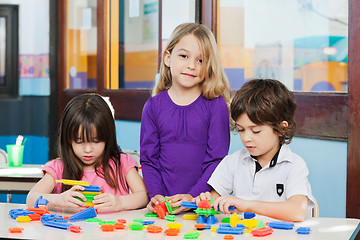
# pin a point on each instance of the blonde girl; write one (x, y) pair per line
(185, 125)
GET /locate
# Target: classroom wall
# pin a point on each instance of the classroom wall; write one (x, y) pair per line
(326, 161)
(28, 114)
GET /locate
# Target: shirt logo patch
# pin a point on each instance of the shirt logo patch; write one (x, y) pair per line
(279, 189)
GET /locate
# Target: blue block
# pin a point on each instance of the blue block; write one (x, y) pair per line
(51, 217)
(226, 230)
(211, 220)
(281, 225)
(303, 230)
(83, 215)
(249, 215)
(201, 219)
(227, 225)
(189, 205)
(41, 201)
(207, 226)
(57, 224)
(92, 188)
(14, 213)
(147, 222)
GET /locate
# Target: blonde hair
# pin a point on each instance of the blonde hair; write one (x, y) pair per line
(215, 82)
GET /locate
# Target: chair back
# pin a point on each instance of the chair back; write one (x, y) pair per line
(3, 157)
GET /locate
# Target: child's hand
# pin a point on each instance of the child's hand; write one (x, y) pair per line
(176, 200)
(223, 203)
(107, 202)
(154, 200)
(67, 198)
(201, 197)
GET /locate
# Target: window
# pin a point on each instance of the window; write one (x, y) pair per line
(9, 55)
(304, 44)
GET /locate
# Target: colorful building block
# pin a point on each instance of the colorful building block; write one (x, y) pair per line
(14, 213)
(57, 224)
(72, 182)
(23, 219)
(83, 215)
(41, 201)
(230, 230)
(303, 230)
(281, 225)
(154, 229)
(262, 232)
(75, 229)
(16, 229)
(249, 215)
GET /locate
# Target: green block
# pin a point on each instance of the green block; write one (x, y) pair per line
(95, 220)
(207, 212)
(226, 220)
(151, 214)
(165, 199)
(260, 224)
(138, 220)
(170, 218)
(192, 235)
(107, 222)
(168, 207)
(136, 226)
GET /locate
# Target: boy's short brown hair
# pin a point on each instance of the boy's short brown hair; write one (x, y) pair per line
(266, 101)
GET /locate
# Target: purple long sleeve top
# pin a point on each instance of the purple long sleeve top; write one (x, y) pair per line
(180, 146)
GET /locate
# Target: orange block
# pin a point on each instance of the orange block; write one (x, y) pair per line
(154, 229)
(107, 227)
(15, 229)
(172, 232)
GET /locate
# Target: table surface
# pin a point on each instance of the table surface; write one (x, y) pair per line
(321, 228)
(26, 173)
(19, 179)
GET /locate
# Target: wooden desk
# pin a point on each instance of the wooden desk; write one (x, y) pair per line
(322, 228)
(19, 180)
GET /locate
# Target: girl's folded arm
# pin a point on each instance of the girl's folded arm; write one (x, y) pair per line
(138, 197)
(294, 209)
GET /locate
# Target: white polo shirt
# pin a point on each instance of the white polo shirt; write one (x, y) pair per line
(280, 179)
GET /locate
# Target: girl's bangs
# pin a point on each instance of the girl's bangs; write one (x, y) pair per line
(87, 130)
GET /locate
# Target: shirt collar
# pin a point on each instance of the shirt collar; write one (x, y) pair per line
(278, 157)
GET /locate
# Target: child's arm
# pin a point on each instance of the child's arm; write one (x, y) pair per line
(138, 197)
(150, 151)
(206, 196)
(44, 188)
(294, 209)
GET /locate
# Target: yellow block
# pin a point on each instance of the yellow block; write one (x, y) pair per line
(234, 219)
(73, 182)
(190, 216)
(174, 225)
(23, 219)
(90, 193)
(89, 204)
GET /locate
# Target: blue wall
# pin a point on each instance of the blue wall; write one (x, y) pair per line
(326, 161)
(35, 152)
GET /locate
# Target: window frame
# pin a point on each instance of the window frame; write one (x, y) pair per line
(312, 119)
(323, 115)
(11, 87)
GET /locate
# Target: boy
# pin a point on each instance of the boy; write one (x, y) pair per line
(265, 177)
